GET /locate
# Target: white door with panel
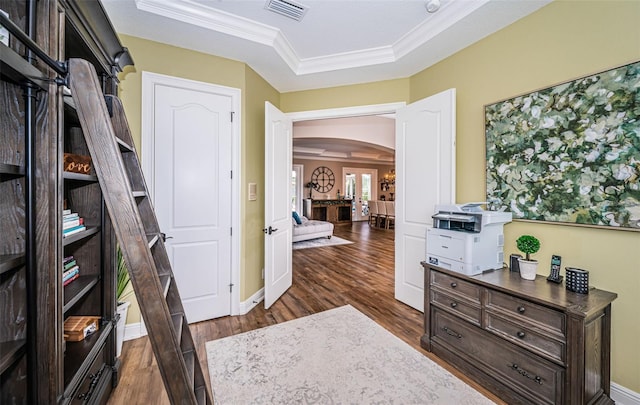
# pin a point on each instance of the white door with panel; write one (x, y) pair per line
(360, 186)
(191, 164)
(278, 272)
(425, 176)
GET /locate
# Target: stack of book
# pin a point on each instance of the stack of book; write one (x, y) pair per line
(71, 223)
(70, 269)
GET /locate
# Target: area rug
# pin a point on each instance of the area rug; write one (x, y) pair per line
(338, 356)
(320, 242)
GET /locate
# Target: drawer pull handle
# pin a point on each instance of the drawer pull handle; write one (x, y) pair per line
(521, 309)
(520, 334)
(454, 285)
(452, 333)
(454, 304)
(525, 373)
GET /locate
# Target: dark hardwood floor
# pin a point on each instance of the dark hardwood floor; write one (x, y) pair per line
(360, 274)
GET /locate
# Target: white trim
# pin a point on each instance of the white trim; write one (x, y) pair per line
(251, 302)
(623, 395)
(372, 109)
(134, 331)
(299, 169)
(149, 81)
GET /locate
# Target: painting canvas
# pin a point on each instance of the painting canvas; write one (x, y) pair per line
(569, 153)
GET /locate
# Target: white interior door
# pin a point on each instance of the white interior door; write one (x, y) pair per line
(425, 176)
(192, 149)
(278, 274)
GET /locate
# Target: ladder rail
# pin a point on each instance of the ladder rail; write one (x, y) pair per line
(129, 228)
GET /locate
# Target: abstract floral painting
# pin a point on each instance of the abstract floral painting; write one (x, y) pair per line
(569, 153)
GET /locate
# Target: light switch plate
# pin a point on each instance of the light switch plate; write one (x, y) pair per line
(253, 191)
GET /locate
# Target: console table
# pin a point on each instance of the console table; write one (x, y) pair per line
(530, 342)
(334, 211)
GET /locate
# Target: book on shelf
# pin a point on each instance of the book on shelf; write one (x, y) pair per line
(66, 212)
(73, 222)
(71, 216)
(71, 273)
(66, 283)
(68, 265)
(73, 231)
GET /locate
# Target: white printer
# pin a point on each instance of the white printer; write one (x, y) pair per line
(467, 239)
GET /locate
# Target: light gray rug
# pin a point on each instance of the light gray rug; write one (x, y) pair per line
(338, 356)
(320, 242)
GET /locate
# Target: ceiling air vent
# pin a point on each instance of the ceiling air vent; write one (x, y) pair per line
(287, 8)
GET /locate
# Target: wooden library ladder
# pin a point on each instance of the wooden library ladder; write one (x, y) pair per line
(142, 243)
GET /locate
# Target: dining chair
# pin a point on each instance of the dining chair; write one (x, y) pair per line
(390, 207)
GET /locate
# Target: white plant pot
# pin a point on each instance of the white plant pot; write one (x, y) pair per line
(528, 269)
(122, 310)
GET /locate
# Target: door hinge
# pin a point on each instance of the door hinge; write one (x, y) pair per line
(231, 287)
(231, 231)
(231, 174)
(232, 114)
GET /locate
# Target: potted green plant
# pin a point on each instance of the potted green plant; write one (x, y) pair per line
(528, 245)
(122, 282)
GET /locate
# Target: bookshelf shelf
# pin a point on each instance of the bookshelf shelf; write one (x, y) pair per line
(10, 352)
(11, 262)
(14, 68)
(89, 178)
(90, 231)
(75, 291)
(10, 172)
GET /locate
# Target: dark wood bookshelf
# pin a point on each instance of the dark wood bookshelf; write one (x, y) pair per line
(38, 123)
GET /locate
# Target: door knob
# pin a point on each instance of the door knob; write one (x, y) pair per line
(269, 230)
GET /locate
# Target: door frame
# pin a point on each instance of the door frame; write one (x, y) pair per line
(149, 81)
(299, 169)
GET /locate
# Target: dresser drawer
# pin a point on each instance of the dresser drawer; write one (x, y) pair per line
(84, 393)
(519, 334)
(456, 286)
(471, 313)
(532, 377)
(525, 311)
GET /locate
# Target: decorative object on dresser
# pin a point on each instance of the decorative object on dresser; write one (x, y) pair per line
(527, 342)
(528, 245)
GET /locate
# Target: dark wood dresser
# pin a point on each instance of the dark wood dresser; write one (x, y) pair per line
(529, 342)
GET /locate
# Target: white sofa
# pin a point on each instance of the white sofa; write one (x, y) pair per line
(310, 229)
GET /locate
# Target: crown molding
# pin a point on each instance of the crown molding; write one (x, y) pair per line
(200, 15)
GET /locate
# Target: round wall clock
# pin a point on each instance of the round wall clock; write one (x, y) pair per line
(324, 178)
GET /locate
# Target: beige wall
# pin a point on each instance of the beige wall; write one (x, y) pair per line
(252, 250)
(564, 40)
(389, 91)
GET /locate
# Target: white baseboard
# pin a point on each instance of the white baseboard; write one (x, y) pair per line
(623, 395)
(137, 330)
(134, 331)
(254, 300)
